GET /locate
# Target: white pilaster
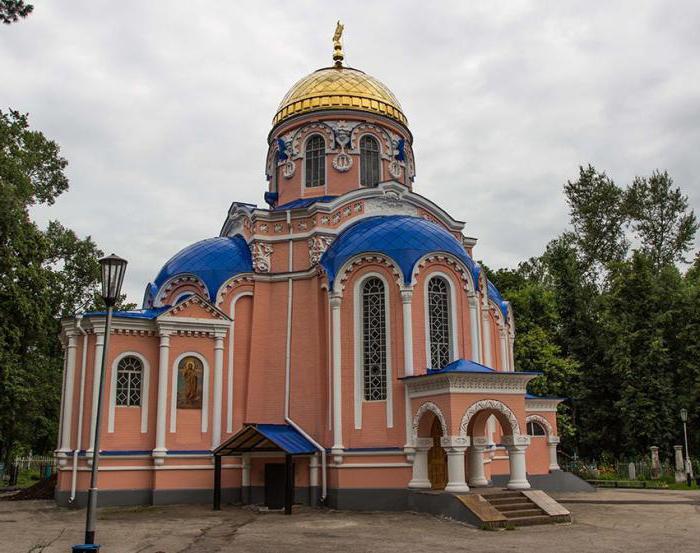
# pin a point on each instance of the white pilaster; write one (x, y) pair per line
(503, 349)
(552, 443)
(420, 478)
(313, 471)
(486, 332)
(406, 299)
(335, 302)
(516, 446)
(245, 470)
(163, 362)
(218, 390)
(96, 367)
(474, 328)
(67, 424)
(455, 446)
(477, 477)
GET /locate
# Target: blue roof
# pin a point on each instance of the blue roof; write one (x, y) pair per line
(403, 238)
(496, 297)
(286, 437)
(304, 202)
(213, 261)
(135, 314)
(462, 366)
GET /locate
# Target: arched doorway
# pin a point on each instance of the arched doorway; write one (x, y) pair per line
(430, 459)
(475, 425)
(437, 459)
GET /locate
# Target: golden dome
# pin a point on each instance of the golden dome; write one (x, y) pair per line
(339, 88)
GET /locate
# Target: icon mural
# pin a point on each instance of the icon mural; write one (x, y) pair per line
(190, 373)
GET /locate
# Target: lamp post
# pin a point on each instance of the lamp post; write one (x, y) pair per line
(113, 269)
(688, 466)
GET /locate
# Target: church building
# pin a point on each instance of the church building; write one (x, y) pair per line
(345, 324)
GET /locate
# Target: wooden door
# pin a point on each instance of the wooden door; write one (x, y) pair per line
(437, 459)
(274, 485)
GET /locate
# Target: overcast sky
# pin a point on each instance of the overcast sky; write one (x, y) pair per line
(162, 108)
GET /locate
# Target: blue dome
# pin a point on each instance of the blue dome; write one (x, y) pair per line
(497, 298)
(213, 261)
(402, 238)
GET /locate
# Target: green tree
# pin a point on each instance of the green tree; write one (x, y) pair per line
(661, 218)
(12, 10)
(44, 274)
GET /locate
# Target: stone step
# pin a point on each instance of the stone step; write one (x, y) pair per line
(530, 520)
(534, 512)
(508, 500)
(514, 506)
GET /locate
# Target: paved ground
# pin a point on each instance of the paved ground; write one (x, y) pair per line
(606, 521)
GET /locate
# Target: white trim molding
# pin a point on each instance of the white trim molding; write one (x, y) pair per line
(426, 407)
(357, 348)
(467, 383)
(542, 404)
(145, 381)
(205, 391)
(542, 422)
(489, 405)
(452, 316)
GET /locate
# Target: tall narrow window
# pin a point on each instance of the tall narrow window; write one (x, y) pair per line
(315, 161)
(374, 339)
(129, 379)
(439, 322)
(370, 163)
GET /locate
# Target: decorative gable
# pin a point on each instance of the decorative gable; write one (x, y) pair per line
(194, 307)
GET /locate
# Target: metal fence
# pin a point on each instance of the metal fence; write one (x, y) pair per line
(44, 465)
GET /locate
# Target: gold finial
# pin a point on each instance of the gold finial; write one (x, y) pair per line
(338, 55)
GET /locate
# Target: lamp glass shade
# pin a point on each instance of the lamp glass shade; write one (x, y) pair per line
(684, 415)
(113, 269)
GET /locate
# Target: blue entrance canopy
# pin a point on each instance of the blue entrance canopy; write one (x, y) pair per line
(266, 437)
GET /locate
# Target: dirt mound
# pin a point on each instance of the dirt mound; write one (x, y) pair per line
(43, 489)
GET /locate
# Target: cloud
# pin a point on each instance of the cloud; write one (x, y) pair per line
(163, 108)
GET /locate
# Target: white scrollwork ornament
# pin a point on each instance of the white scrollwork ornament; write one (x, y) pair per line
(288, 169)
(395, 169)
(342, 162)
(317, 247)
(262, 252)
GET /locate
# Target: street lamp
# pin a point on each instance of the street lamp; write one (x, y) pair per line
(688, 465)
(113, 269)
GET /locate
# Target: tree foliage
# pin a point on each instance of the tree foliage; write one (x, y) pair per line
(44, 274)
(12, 10)
(614, 328)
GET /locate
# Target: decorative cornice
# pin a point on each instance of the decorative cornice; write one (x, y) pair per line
(542, 404)
(466, 383)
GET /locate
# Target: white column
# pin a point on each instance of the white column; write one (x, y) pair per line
(474, 327)
(163, 364)
(486, 331)
(420, 478)
(406, 298)
(455, 446)
(313, 471)
(552, 442)
(503, 349)
(335, 301)
(218, 390)
(67, 426)
(477, 477)
(96, 367)
(516, 446)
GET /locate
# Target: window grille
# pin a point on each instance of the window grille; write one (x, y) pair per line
(315, 161)
(439, 322)
(535, 429)
(374, 339)
(129, 379)
(370, 162)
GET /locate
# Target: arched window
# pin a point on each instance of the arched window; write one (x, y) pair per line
(374, 339)
(535, 429)
(370, 163)
(315, 161)
(129, 380)
(439, 322)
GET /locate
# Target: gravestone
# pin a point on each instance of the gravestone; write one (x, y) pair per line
(632, 470)
(655, 463)
(680, 463)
